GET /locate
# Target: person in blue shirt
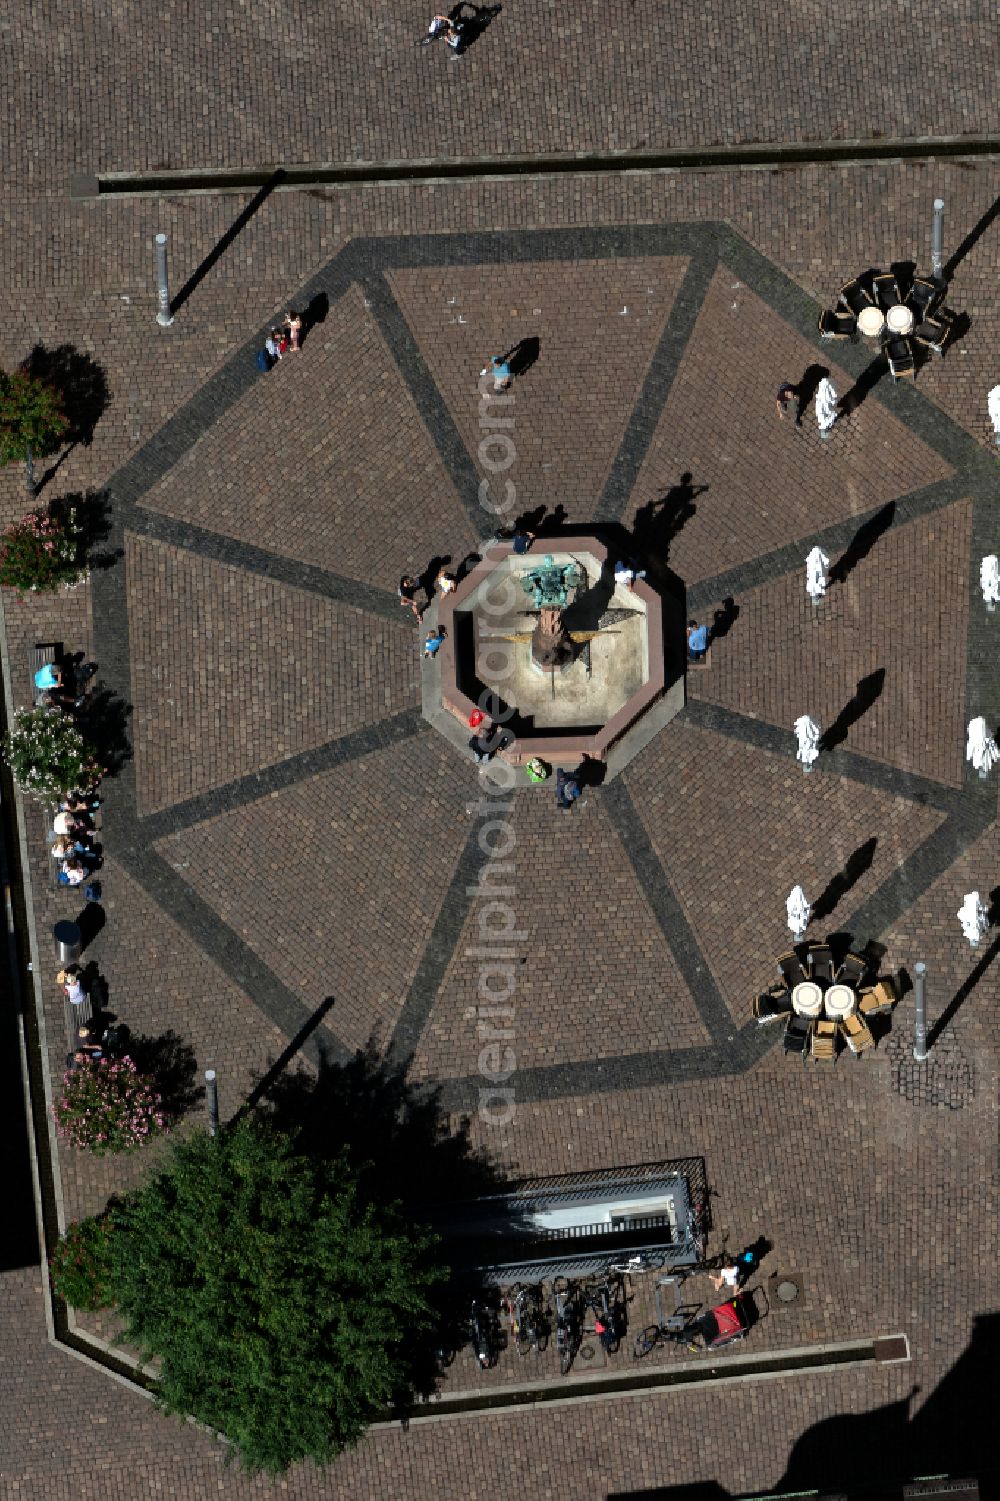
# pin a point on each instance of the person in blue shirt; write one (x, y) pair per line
(48, 677)
(697, 639)
(500, 370)
(434, 642)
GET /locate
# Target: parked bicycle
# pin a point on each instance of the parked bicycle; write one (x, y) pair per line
(659, 1334)
(569, 1306)
(607, 1301)
(634, 1266)
(527, 1317)
(484, 1334)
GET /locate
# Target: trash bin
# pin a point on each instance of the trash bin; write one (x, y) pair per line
(68, 941)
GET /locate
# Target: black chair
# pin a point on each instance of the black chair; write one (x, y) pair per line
(772, 1006)
(886, 291)
(899, 353)
(798, 1030)
(924, 296)
(834, 324)
(820, 962)
(790, 970)
(852, 971)
(855, 296)
(934, 332)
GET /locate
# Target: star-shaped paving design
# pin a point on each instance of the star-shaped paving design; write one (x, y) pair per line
(290, 741)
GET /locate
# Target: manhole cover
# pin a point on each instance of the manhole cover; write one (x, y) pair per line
(786, 1291)
(587, 1352)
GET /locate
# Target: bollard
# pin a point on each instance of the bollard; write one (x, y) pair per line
(920, 1016)
(163, 317)
(212, 1100)
(68, 941)
(937, 237)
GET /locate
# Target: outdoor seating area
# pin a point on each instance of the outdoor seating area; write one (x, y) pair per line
(901, 319)
(825, 1007)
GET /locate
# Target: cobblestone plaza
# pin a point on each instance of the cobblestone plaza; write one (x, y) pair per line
(291, 853)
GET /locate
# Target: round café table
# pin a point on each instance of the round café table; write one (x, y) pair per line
(839, 1002)
(870, 322)
(807, 998)
(899, 320)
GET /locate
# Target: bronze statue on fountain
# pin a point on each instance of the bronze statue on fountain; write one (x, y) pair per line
(551, 587)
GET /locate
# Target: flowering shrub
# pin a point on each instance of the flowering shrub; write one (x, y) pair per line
(47, 755)
(108, 1106)
(80, 1264)
(42, 551)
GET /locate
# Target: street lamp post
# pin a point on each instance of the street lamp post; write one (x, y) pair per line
(920, 1018)
(212, 1097)
(937, 237)
(164, 317)
(29, 470)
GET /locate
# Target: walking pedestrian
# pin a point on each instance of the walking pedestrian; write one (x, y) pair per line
(521, 541)
(445, 582)
(407, 592)
(697, 641)
(434, 642)
(294, 325)
(500, 370)
(787, 393)
(275, 344)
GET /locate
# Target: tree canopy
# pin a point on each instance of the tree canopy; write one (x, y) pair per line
(31, 416)
(280, 1307)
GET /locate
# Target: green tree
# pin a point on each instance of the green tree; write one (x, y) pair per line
(32, 419)
(280, 1307)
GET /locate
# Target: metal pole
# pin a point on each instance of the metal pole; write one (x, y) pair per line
(212, 1094)
(163, 317)
(920, 1033)
(29, 473)
(937, 237)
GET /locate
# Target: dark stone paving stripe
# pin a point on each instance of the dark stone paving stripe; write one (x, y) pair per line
(249, 559)
(221, 391)
(656, 388)
(668, 913)
(445, 936)
(926, 420)
(235, 958)
(276, 778)
(917, 873)
(502, 247)
(429, 401)
(834, 541)
(780, 742)
(594, 1076)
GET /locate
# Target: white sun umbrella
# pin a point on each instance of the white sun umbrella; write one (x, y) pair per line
(993, 407)
(799, 912)
(807, 732)
(981, 749)
(826, 405)
(989, 581)
(974, 918)
(816, 565)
